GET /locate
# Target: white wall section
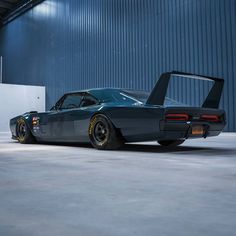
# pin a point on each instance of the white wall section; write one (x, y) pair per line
(18, 99)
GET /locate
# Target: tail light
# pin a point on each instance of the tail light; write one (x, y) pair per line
(177, 117)
(211, 118)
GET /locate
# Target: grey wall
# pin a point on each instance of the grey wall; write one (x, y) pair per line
(76, 44)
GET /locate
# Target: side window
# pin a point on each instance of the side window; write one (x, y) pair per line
(71, 101)
(58, 104)
(88, 101)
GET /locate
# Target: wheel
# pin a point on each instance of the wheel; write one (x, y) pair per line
(103, 135)
(24, 135)
(171, 143)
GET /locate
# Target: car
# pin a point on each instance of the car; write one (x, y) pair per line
(107, 117)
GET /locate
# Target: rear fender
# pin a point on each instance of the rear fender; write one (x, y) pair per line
(136, 123)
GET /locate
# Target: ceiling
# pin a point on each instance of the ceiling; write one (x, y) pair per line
(10, 9)
(6, 6)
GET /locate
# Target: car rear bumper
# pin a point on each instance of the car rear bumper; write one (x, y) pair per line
(183, 130)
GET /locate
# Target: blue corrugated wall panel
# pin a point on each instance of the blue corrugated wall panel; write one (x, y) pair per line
(77, 44)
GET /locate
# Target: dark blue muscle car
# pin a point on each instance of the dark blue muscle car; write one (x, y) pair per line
(107, 118)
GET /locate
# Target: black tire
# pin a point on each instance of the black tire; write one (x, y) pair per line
(171, 143)
(103, 135)
(23, 132)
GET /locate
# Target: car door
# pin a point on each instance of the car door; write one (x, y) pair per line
(81, 117)
(61, 119)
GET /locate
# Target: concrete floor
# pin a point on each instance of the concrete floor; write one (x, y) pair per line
(142, 189)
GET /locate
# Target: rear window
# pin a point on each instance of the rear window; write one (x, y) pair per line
(123, 96)
(173, 103)
(141, 96)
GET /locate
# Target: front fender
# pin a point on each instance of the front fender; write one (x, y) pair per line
(27, 117)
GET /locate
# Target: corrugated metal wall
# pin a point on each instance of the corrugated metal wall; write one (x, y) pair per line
(76, 44)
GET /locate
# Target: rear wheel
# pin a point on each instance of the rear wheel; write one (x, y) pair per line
(103, 134)
(171, 143)
(24, 135)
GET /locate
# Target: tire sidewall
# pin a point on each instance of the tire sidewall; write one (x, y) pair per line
(28, 137)
(114, 140)
(94, 121)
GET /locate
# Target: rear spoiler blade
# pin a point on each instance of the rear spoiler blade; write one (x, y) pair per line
(158, 94)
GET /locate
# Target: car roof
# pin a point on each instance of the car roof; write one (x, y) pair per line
(107, 94)
(102, 90)
(95, 89)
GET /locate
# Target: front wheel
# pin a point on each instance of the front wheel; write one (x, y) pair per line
(171, 143)
(103, 135)
(24, 135)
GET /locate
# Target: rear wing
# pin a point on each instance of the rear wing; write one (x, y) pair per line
(158, 94)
